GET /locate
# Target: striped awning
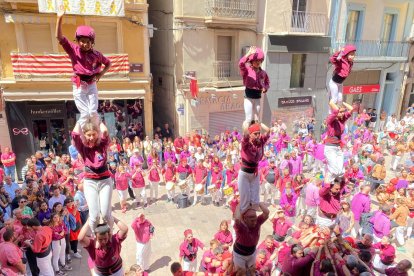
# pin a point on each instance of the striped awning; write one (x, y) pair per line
(32, 18)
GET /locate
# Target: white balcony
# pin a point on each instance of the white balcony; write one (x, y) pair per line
(376, 48)
(305, 23)
(231, 12)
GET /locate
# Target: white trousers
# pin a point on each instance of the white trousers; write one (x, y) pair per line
(123, 195)
(335, 162)
(356, 230)
(251, 109)
(335, 91)
(395, 161)
(269, 191)
(324, 222)
(249, 190)
(58, 253)
(143, 255)
(45, 265)
(216, 196)
(190, 266)
(98, 194)
(399, 235)
(86, 100)
(140, 193)
(378, 264)
(153, 189)
(410, 224)
(171, 193)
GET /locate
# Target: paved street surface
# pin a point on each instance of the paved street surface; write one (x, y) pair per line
(170, 223)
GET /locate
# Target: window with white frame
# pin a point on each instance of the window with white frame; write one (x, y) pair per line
(106, 36)
(297, 74)
(38, 38)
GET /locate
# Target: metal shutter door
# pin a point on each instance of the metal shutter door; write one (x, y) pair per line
(222, 121)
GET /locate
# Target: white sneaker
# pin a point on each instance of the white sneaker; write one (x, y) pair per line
(77, 255)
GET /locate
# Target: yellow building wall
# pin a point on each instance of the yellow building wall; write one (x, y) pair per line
(8, 44)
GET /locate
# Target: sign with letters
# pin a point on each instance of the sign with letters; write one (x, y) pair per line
(294, 101)
(361, 89)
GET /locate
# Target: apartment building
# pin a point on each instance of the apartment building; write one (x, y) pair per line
(38, 111)
(380, 30)
(204, 41)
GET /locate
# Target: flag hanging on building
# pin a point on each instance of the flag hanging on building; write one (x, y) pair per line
(27, 65)
(194, 88)
(84, 7)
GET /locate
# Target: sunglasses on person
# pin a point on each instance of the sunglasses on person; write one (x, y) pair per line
(23, 201)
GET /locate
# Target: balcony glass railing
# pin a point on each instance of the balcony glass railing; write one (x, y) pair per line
(37, 66)
(376, 48)
(231, 8)
(305, 22)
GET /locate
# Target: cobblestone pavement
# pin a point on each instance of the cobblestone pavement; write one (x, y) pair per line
(170, 223)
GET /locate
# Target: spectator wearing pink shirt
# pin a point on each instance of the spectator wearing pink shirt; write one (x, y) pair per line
(138, 185)
(121, 183)
(154, 177)
(8, 158)
(224, 235)
(188, 251)
(295, 163)
(136, 160)
(199, 178)
(11, 255)
(144, 231)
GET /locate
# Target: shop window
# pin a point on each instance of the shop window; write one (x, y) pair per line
(38, 38)
(297, 74)
(106, 40)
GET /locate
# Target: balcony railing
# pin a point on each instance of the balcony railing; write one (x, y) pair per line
(41, 66)
(230, 8)
(376, 48)
(225, 70)
(305, 22)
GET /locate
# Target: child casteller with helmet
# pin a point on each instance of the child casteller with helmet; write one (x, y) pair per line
(256, 81)
(343, 61)
(86, 63)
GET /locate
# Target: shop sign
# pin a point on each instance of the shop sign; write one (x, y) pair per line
(223, 103)
(46, 111)
(294, 101)
(136, 68)
(361, 89)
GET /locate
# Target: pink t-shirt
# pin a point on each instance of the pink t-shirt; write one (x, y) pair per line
(5, 156)
(138, 180)
(121, 181)
(199, 172)
(216, 178)
(141, 230)
(169, 172)
(10, 254)
(84, 62)
(154, 174)
(224, 237)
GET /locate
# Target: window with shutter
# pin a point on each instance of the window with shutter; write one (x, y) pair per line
(38, 38)
(106, 38)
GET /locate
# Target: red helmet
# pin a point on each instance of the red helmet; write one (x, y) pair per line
(85, 31)
(259, 55)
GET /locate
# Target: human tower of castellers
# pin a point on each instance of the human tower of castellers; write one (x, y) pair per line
(324, 221)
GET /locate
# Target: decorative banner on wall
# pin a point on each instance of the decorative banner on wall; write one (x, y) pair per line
(84, 7)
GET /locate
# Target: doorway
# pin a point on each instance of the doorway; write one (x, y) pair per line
(49, 134)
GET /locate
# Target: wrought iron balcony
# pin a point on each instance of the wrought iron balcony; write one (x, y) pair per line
(305, 22)
(225, 70)
(376, 48)
(245, 9)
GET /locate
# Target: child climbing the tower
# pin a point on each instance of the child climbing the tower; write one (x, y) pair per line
(87, 64)
(256, 81)
(343, 61)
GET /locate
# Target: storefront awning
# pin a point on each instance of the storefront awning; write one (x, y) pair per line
(15, 96)
(35, 18)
